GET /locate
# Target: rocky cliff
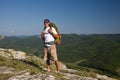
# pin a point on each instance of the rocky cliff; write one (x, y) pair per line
(16, 65)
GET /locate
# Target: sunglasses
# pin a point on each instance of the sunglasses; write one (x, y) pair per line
(46, 22)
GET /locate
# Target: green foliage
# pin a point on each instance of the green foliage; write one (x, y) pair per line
(33, 65)
(100, 51)
(31, 45)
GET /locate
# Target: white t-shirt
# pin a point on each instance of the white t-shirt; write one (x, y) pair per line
(48, 37)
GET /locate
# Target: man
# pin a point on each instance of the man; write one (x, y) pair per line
(48, 35)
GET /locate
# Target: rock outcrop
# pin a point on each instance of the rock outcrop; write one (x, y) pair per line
(67, 74)
(6, 70)
(39, 76)
(12, 53)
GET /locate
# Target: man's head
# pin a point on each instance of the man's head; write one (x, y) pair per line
(46, 22)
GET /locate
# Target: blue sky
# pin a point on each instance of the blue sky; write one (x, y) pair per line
(25, 17)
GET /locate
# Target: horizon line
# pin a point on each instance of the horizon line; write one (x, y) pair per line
(67, 33)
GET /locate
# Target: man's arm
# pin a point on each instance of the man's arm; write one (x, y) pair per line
(42, 35)
(55, 35)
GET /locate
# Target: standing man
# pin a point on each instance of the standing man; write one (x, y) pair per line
(48, 35)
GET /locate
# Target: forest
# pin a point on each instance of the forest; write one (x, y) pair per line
(79, 51)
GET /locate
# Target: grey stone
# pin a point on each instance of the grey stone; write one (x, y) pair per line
(6, 70)
(12, 53)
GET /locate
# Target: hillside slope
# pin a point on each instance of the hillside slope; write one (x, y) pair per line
(32, 68)
(84, 52)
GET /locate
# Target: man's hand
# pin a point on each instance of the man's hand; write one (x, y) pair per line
(50, 31)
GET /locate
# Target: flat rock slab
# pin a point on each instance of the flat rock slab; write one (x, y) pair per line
(6, 70)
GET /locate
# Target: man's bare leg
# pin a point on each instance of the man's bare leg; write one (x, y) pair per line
(48, 65)
(57, 66)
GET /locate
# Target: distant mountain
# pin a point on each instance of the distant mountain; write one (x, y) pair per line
(24, 36)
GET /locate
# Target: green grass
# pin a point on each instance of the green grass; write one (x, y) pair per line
(83, 71)
(5, 76)
(32, 65)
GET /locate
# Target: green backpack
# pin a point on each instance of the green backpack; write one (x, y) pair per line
(58, 39)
